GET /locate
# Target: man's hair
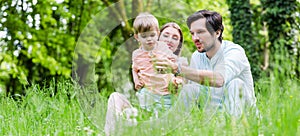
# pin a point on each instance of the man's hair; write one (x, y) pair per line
(213, 21)
(145, 22)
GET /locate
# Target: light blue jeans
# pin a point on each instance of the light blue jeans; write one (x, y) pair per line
(231, 98)
(153, 102)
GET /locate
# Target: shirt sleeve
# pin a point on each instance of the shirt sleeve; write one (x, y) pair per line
(234, 62)
(183, 61)
(134, 55)
(193, 62)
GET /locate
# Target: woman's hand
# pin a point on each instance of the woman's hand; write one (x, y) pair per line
(166, 64)
(183, 61)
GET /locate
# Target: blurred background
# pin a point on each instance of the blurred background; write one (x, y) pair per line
(45, 41)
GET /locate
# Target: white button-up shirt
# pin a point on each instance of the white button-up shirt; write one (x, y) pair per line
(232, 63)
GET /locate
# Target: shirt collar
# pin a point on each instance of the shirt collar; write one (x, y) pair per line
(219, 53)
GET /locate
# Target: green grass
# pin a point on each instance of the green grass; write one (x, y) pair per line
(42, 113)
(39, 114)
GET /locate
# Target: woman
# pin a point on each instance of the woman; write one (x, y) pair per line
(171, 34)
(118, 104)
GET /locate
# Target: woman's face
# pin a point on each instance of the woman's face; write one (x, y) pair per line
(171, 36)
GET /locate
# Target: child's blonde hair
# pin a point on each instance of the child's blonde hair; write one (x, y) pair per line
(145, 22)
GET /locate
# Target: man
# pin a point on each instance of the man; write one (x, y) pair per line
(219, 68)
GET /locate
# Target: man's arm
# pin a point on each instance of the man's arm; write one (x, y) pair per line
(204, 77)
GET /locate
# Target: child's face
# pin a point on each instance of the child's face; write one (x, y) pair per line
(147, 39)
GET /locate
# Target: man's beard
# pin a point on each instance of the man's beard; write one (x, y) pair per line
(203, 51)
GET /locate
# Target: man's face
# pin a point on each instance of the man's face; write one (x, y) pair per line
(203, 39)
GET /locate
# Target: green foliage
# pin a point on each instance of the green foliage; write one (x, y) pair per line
(40, 43)
(282, 18)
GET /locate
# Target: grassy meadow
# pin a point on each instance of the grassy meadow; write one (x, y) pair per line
(42, 113)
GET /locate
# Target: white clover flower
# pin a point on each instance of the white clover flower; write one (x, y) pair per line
(88, 130)
(78, 128)
(130, 113)
(131, 122)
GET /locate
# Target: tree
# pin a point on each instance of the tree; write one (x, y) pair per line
(39, 40)
(282, 19)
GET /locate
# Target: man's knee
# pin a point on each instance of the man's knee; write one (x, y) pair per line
(235, 84)
(191, 92)
(236, 96)
(190, 89)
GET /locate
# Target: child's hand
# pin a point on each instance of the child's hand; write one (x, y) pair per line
(174, 85)
(139, 85)
(173, 59)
